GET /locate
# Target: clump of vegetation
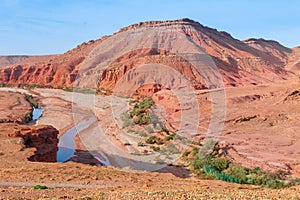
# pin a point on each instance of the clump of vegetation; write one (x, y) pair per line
(211, 166)
(31, 100)
(170, 137)
(83, 91)
(140, 113)
(33, 103)
(154, 148)
(141, 144)
(28, 117)
(32, 86)
(154, 140)
(165, 130)
(40, 187)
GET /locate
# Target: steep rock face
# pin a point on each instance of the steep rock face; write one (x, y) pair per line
(117, 69)
(55, 70)
(252, 61)
(43, 138)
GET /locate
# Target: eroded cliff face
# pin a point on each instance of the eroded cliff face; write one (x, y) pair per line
(41, 141)
(252, 61)
(43, 138)
(55, 71)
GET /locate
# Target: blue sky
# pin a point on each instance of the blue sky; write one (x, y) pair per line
(55, 26)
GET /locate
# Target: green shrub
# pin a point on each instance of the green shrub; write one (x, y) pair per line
(165, 130)
(275, 184)
(31, 100)
(238, 171)
(198, 163)
(145, 120)
(141, 144)
(170, 137)
(223, 169)
(220, 175)
(146, 103)
(220, 163)
(256, 179)
(155, 148)
(132, 101)
(28, 117)
(154, 140)
(40, 187)
(32, 86)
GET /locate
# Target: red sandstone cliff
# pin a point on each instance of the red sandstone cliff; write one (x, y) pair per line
(43, 138)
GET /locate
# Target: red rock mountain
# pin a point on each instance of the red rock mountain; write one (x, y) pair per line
(108, 59)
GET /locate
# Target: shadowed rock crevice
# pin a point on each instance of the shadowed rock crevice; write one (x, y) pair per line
(43, 138)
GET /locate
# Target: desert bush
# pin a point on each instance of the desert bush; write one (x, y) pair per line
(223, 169)
(220, 163)
(154, 140)
(40, 187)
(31, 100)
(146, 103)
(237, 171)
(170, 137)
(256, 179)
(141, 144)
(163, 129)
(145, 120)
(220, 175)
(275, 184)
(154, 148)
(28, 117)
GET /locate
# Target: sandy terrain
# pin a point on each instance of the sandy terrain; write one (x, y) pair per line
(13, 106)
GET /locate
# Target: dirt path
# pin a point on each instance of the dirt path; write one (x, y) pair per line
(62, 185)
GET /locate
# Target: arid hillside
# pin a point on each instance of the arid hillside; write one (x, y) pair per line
(252, 61)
